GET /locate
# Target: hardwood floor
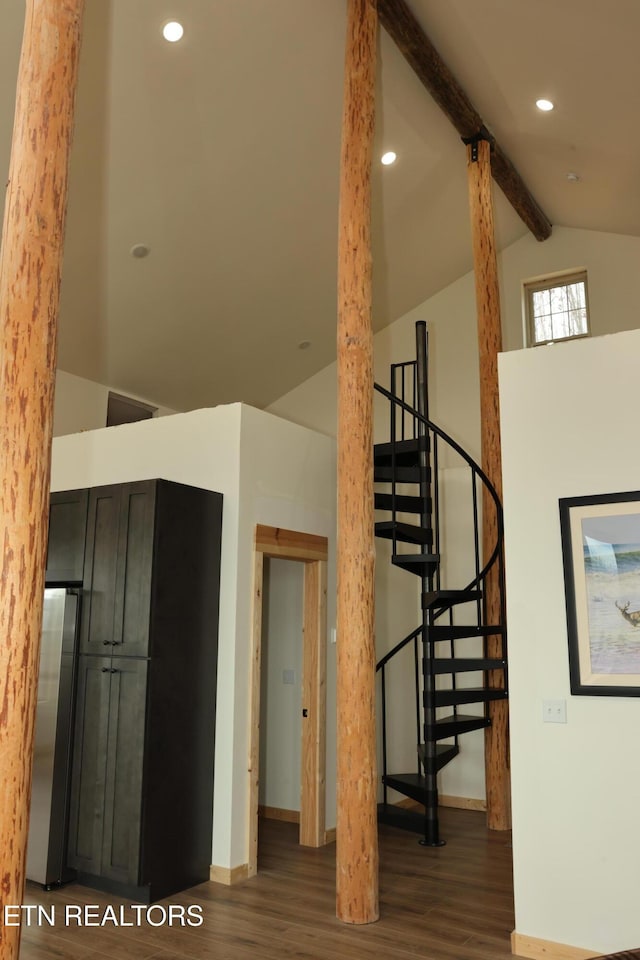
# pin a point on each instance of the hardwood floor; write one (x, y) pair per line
(452, 903)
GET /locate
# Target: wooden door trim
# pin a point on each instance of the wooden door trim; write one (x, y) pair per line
(314, 672)
(311, 550)
(289, 544)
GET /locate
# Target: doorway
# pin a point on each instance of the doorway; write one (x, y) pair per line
(281, 702)
(310, 550)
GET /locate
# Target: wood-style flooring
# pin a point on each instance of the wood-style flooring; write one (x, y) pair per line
(452, 903)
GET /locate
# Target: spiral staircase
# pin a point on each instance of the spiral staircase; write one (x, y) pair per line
(444, 660)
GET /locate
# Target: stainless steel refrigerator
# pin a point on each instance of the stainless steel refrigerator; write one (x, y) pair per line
(46, 849)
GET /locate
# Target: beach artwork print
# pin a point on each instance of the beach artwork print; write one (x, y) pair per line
(601, 545)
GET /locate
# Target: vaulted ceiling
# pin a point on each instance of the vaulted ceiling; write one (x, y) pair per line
(221, 154)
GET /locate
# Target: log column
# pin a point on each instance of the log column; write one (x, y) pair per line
(30, 265)
(357, 831)
(490, 345)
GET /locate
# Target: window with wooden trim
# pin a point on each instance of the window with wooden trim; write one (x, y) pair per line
(557, 308)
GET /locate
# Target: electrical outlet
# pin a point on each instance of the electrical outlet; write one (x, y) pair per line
(288, 676)
(554, 711)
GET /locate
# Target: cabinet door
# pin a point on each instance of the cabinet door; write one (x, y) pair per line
(134, 570)
(89, 764)
(100, 566)
(121, 837)
(67, 530)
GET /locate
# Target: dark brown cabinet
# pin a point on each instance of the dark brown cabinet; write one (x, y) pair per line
(142, 780)
(109, 747)
(67, 529)
(118, 569)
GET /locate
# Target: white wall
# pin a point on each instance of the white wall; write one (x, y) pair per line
(611, 262)
(201, 449)
(453, 400)
(280, 474)
(288, 479)
(269, 471)
(281, 686)
(569, 427)
(614, 293)
(81, 404)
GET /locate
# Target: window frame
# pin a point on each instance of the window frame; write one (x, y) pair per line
(547, 283)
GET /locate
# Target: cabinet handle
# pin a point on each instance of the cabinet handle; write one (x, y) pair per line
(109, 643)
(109, 670)
(105, 669)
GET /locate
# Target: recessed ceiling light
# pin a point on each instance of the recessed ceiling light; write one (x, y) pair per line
(173, 31)
(544, 105)
(388, 158)
(573, 177)
(140, 250)
(304, 344)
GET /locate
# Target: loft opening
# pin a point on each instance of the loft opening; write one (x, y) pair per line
(122, 409)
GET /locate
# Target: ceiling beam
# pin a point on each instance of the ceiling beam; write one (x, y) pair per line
(403, 28)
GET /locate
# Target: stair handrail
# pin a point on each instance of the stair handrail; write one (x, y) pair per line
(426, 437)
(476, 469)
(398, 647)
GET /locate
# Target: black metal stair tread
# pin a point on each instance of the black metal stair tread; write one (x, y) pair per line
(466, 664)
(405, 532)
(454, 724)
(416, 563)
(385, 474)
(447, 598)
(444, 752)
(446, 698)
(411, 785)
(406, 451)
(403, 504)
(439, 633)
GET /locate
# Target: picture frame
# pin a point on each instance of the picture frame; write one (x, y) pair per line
(601, 559)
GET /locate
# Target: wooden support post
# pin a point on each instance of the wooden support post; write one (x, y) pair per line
(356, 831)
(30, 265)
(490, 345)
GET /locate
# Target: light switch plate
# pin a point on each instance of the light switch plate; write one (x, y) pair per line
(554, 711)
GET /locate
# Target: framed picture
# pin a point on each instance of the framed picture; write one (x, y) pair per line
(601, 554)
